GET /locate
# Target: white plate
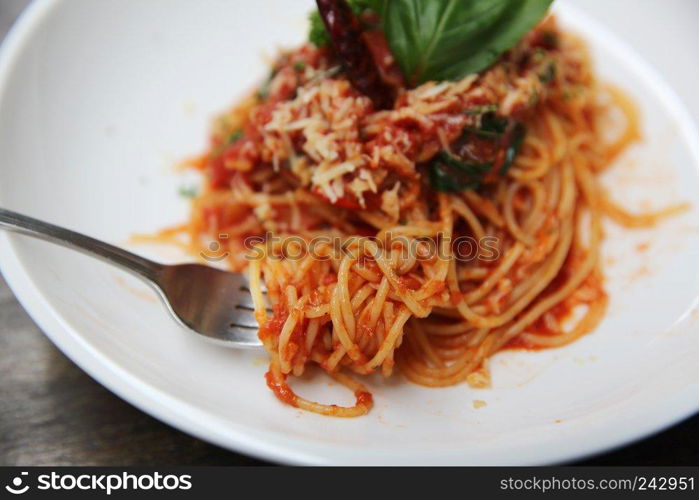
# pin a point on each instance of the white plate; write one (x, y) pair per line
(98, 100)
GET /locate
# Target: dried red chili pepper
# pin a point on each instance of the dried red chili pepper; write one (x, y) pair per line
(346, 35)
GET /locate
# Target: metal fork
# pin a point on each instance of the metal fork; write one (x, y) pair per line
(213, 303)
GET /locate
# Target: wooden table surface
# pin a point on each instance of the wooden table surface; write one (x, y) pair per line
(52, 413)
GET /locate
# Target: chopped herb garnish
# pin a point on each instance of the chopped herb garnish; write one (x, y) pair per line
(549, 73)
(539, 55)
(235, 136)
(188, 191)
(299, 66)
(573, 91)
(513, 148)
(479, 110)
(449, 175)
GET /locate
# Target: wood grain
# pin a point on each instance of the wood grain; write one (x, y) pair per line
(52, 413)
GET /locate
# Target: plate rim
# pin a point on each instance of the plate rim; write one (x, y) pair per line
(262, 444)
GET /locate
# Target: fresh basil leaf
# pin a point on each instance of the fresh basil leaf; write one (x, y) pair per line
(318, 35)
(450, 39)
(491, 126)
(448, 174)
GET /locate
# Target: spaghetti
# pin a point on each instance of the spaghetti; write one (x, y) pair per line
(509, 157)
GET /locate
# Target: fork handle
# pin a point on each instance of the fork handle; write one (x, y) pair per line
(128, 261)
